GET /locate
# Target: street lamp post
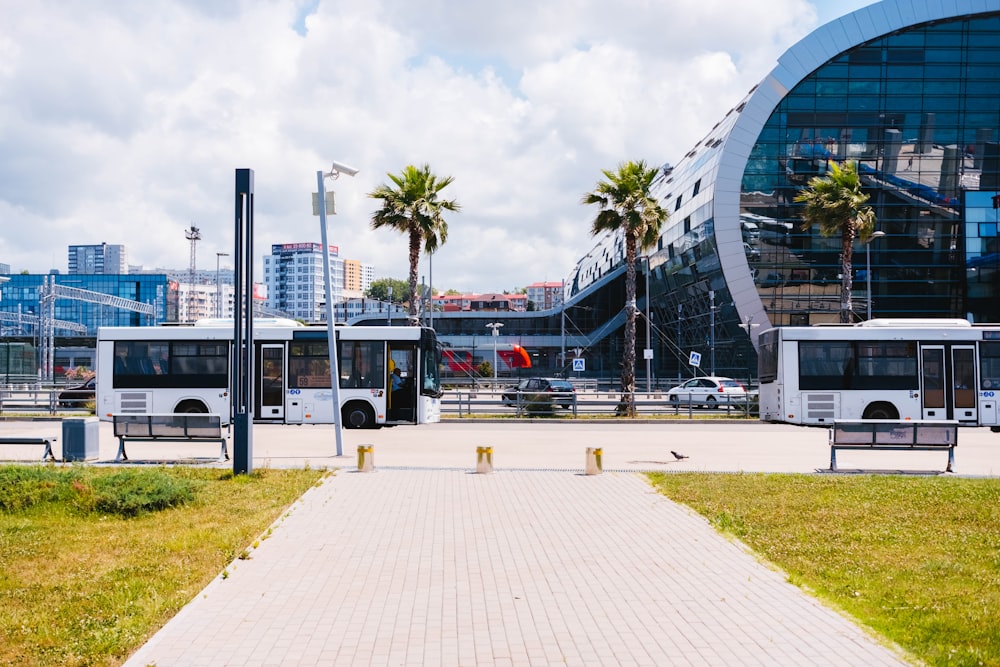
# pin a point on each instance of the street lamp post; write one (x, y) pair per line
(868, 267)
(218, 284)
(711, 325)
(648, 352)
(331, 338)
(495, 326)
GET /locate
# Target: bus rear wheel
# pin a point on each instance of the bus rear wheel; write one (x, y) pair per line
(881, 410)
(358, 415)
(191, 407)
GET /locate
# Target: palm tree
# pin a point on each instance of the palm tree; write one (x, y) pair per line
(836, 204)
(411, 206)
(628, 208)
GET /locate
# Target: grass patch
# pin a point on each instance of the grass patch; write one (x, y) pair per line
(94, 560)
(916, 559)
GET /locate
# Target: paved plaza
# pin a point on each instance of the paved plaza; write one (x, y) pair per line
(426, 562)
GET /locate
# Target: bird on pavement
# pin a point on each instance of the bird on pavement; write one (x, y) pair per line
(678, 456)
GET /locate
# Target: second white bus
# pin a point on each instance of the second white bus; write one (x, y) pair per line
(925, 369)
(145, 370)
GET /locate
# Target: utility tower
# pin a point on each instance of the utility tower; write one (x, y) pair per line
(193, 235)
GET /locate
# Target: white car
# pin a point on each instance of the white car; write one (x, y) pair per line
(708, 391)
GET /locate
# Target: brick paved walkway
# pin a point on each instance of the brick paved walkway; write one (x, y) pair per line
(518, 567)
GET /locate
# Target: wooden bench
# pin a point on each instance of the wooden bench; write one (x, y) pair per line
(32, 440)
(891, 434)
(182, 427)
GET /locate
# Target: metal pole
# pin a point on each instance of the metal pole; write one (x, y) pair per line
(243, 345)
(388, 309)
(562, 328)
(331, 337)
(868, 276)
(680, 312)
(711, 324)
(649, 361)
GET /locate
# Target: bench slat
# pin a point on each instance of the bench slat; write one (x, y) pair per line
(893, 435)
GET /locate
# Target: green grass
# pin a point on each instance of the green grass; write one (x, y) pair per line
(916, 559)
(94, 560)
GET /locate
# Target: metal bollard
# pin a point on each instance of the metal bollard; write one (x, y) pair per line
(366, 458)
(594, 465)
(484, 459)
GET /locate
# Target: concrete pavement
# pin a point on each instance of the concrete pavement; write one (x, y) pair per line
(424, 562)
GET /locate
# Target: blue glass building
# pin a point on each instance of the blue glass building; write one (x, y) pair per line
(21, 295)
(908, 89)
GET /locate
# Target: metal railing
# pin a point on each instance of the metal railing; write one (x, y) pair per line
(40, 399)
(490, 403)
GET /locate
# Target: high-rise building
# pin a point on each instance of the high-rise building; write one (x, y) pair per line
(358, 277)
(293, 274)
(97, 259)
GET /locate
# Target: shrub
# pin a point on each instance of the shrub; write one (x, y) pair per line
(133, 492)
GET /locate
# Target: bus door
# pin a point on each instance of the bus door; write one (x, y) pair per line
(402, 403)
(270, 394)
(964, 383)
(932, 382)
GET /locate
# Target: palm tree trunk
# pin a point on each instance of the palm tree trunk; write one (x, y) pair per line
(413, 319)
(846, 268)
(627, 405)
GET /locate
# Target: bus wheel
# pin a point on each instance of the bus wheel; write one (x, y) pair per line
(358, 415)
(881, 411)
(191, 407)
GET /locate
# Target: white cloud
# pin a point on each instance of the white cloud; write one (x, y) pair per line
(124, 122)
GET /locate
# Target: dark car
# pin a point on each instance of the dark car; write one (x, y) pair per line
(540, 394)
(78, 395)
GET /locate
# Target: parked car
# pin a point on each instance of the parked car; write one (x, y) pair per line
(540, 393)
(708, 391)
(77, 395)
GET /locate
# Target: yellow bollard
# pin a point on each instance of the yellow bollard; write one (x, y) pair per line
(594, 465)
(366, 458)
(484, 459)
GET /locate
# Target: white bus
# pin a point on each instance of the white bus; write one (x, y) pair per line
(176, 369)
(881, 369)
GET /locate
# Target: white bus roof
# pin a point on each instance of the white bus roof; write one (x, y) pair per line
(915, 322)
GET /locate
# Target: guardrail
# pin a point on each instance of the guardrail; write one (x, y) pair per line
(588, 404)
(40, 399)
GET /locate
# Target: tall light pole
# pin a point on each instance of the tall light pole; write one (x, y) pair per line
(495, 326)
(562, 328)
(711, 327)
(648, 351)
(868, 267)
(680, 316)
(320, 207)
(218, 284)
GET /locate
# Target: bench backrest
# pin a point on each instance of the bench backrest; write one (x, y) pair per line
(891, 432)
(168, 425)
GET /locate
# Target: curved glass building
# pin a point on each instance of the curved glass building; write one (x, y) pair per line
(911, 92)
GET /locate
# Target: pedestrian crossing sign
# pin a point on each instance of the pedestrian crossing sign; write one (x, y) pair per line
(579, 365)
(695, 359)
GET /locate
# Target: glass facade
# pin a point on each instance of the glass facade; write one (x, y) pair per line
(915, 102)
(919, 111)
(21, 295)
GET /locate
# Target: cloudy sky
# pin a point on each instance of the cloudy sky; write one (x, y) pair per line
(123, 122)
